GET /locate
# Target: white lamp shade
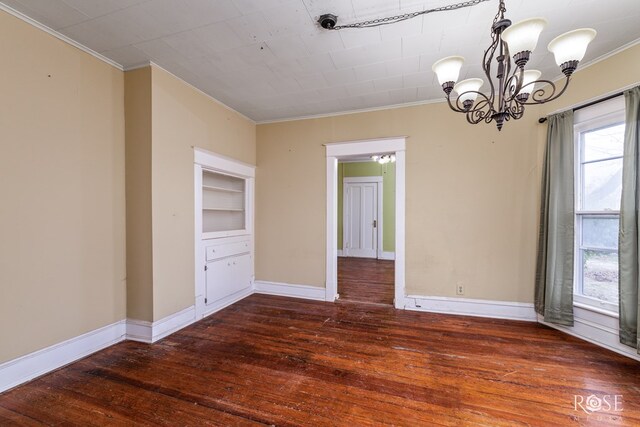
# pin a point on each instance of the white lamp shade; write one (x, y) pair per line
(523, 36)
(466, 86)
(528, 77)
(571, 46)
(448, 69)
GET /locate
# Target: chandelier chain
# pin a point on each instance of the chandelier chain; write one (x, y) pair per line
(501, 10)
(404, 17)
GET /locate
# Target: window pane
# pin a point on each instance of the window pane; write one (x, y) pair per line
(600, 275)
(600, 232)
(603, 143)
(602, 185)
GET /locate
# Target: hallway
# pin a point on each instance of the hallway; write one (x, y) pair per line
(366, 280)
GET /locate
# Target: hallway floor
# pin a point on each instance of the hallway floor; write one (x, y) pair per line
(366, 280)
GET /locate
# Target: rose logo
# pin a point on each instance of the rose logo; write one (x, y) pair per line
(594, 403)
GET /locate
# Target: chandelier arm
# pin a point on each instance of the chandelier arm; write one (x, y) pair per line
(460, 107)
(538, 96)
(480, 111)
(487, 60)
(517, 75)
(454, 106)
(516, 110)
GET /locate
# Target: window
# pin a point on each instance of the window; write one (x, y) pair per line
(599, 133)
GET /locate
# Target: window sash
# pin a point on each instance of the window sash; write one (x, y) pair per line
(609, 118)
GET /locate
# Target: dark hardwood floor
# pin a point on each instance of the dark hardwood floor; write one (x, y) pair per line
(366, 280)
(280, 361)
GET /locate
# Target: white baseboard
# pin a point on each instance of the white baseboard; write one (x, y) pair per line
(596, 328)
(289, 290)
(472, 307)
(150, 332)
(381, 255)
(32, 365)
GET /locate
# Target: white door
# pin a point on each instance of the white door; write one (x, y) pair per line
(360, 219)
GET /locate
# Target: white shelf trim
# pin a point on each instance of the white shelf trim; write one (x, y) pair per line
(223, 209)
(226, 190)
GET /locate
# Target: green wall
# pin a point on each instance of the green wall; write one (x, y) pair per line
(388, 174)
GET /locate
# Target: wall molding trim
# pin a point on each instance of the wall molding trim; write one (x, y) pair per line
(40, 362)
(387, 255)
(289, 290)
(472, 307)
(59, 36)
(150, 332)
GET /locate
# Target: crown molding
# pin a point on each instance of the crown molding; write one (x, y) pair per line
(608, 55)
(346, 112)
(11, 11)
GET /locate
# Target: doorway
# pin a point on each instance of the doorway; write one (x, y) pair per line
(374, 250)
(367, 191)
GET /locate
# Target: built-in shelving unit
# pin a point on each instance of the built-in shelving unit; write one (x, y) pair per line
(223, 202)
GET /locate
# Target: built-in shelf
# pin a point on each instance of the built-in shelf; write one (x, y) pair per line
(223, 203)
(226, 190)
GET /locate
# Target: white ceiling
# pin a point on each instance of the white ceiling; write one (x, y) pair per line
(269, 60)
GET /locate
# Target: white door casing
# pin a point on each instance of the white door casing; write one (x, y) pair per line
(362, 217)
(342, 150)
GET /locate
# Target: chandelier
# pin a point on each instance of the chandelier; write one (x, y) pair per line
(384, 159)
(514, 87)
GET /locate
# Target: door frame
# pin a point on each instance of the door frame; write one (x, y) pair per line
(378, 180)
(343, 150)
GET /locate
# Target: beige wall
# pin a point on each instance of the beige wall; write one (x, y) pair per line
(62, 218)
(464, 185)
(182, 118)
(138, 191)
(472, 192)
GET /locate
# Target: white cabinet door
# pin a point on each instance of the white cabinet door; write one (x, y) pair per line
(361, 218)
(227, 276)
(241, 272)
(218, 281)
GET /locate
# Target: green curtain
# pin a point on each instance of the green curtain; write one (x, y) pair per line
(628, 237)
(554, 268)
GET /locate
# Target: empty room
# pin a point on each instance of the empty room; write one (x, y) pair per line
(319, 212)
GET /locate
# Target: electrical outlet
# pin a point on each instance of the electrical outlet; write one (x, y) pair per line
(459, 289)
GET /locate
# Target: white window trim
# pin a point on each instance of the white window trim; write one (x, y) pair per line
(599, 115)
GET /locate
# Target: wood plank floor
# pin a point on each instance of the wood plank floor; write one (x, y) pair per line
(278, 361)
(366, 280)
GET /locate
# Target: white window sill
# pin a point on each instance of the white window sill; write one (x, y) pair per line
(598, 310)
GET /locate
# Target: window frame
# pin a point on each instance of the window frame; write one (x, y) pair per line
(599, 116)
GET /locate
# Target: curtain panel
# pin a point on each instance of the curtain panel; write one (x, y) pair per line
(628, 237)
(554, 266)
